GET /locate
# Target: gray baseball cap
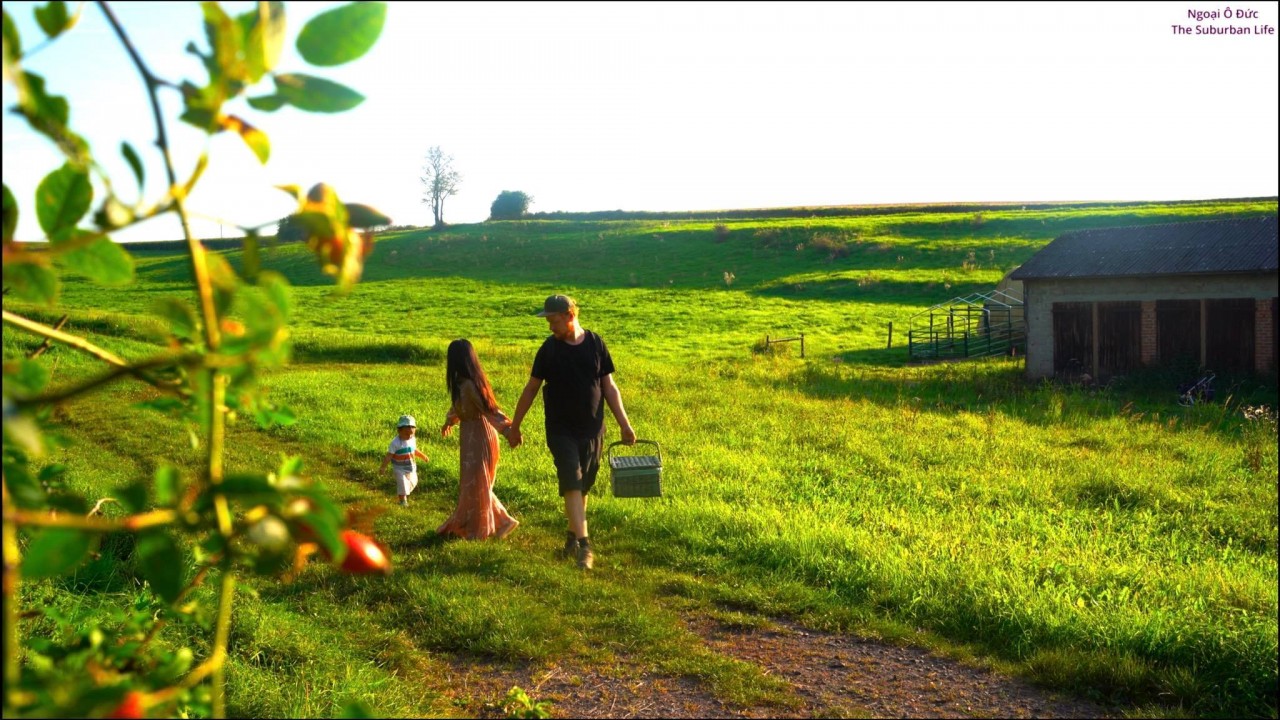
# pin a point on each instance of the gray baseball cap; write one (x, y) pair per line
(406, 421)
(557, 304)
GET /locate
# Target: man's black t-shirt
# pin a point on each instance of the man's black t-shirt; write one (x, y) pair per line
(571, 395)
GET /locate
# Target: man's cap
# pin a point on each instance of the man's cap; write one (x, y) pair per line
(406, 421)
(557, 304)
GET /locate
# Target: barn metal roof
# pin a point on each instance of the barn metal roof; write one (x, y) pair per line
(1239, 245)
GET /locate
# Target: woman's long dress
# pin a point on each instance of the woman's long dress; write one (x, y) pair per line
(479, 514)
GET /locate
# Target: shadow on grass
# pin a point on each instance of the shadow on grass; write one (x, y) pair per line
(306, 351)
(1000, 385)
(846, 289)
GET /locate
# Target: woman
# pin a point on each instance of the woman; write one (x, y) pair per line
(479, 514)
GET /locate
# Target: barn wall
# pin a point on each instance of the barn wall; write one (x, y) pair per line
(1040, 295)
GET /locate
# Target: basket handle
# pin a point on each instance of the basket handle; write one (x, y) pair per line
(608, 453)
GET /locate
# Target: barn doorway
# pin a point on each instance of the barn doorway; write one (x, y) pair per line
(1072, 338)
(1229, 334)
(1178, 332)
(1119, 338)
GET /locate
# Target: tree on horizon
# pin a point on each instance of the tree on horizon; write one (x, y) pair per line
(441, 181)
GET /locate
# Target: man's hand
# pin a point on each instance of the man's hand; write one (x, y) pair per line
(628, 436)
(445, 430)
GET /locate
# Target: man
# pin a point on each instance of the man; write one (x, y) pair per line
(578, 372)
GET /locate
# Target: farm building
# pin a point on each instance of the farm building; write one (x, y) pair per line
(1111, 300)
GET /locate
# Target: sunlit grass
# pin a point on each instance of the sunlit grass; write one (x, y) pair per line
(1106, 541)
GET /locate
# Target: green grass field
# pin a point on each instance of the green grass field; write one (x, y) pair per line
(1106, 542)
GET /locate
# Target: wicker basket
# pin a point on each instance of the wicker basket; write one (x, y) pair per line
(635, 475)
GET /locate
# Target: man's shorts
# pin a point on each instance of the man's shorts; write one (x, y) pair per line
(577, 461)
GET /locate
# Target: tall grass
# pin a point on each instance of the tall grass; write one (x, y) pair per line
(1106, 541)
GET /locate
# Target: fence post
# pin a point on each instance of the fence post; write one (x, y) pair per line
(801, 346)
(890, 345)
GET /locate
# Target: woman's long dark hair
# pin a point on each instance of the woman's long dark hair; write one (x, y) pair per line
(464, 365)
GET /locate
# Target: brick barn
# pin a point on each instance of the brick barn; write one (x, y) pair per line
(1109, 301)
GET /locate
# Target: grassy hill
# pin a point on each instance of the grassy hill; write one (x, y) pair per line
(1107, 542)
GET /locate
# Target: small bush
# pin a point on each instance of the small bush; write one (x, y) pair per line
(832, 245)
(722, 232)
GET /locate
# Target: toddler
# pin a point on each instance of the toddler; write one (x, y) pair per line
(400, 455)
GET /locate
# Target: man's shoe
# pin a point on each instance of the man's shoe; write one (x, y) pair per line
(586, 558)
(570, 549)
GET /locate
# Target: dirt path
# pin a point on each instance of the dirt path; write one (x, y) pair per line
(830, 676)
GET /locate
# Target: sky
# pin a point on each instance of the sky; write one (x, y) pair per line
(695, 106)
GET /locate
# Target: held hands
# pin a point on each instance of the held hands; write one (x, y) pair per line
(514, 438)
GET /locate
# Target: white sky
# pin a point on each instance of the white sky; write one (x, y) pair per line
(699, 106)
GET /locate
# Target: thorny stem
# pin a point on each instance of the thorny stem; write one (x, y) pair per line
(137, 370)
(79, 343)
(12, 563)
(196, 582)
(214, 664)
(48, 342)
(132, 523)
(216, 381)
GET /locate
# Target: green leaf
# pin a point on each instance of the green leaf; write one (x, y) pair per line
(167, 485)
(174, 667)
(69, 502)
(12, 42)
(355, 709)
(135, 163)
(47, 115)
(263, 37)
(10, 215)
(38, 104)
(363, 216)
(246, 484)
(56, 551)
(182, 319)
(315, 224)
(293, 190)
(252, 136)
(314, 94)
(52, 474)
(133, 497)
(290, 466)
(227, 42)
(342, 34)
(25, 376)
(325, 528)
(161, 564)
(277, 288)
(267, 417)
(223, 278)
(268, 103)
(201, 118)
(102, 261)
(62, 198)
(25, 490)
(53, 18)
(30, 281)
